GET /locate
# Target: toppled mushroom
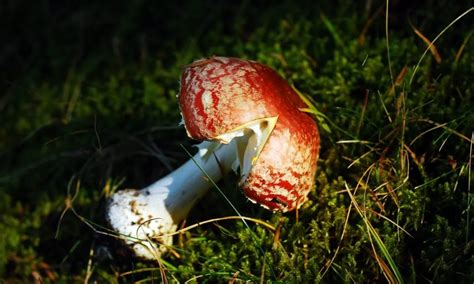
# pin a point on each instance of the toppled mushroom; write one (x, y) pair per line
(250, 119)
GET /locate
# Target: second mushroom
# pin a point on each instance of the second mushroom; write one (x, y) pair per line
(251, 121)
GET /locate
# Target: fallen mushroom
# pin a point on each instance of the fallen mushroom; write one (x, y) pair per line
(251, 121)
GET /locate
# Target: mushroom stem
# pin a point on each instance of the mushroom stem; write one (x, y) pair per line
(153, 213)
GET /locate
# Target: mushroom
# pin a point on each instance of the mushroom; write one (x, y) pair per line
(251, 120)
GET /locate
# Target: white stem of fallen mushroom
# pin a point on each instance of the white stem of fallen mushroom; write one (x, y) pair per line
(147, 218)
(155, 211)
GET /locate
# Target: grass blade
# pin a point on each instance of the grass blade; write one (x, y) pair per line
(373, 234)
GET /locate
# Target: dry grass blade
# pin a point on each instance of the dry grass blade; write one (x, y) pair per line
(387, 42)
(415, 159)
(386, 270)
(401, 75)
(436, 38)
(68, 203)
(90, 268)
(362, 113)
(463, 46)
(373, 234)
(138, 270)
(440, 125)
(392, 192)
(372, 194)
(256, 221)
(328, 264)
(368, 24)
(427, 131)
(163, 266)
(384, 107)
(356, 161)
(391, 221)
(353, 142)
(399, 80)
(468, 210)
(434, 51)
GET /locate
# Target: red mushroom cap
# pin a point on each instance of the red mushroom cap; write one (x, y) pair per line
(220, 94)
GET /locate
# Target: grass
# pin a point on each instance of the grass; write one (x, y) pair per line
(89, 107)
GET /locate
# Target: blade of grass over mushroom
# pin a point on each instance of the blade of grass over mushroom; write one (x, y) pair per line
(231, 205)
(102, 230)
(373, 233)
(215, 186)
(99, 229)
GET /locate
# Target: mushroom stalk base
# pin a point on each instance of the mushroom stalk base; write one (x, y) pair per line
(147, 218)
